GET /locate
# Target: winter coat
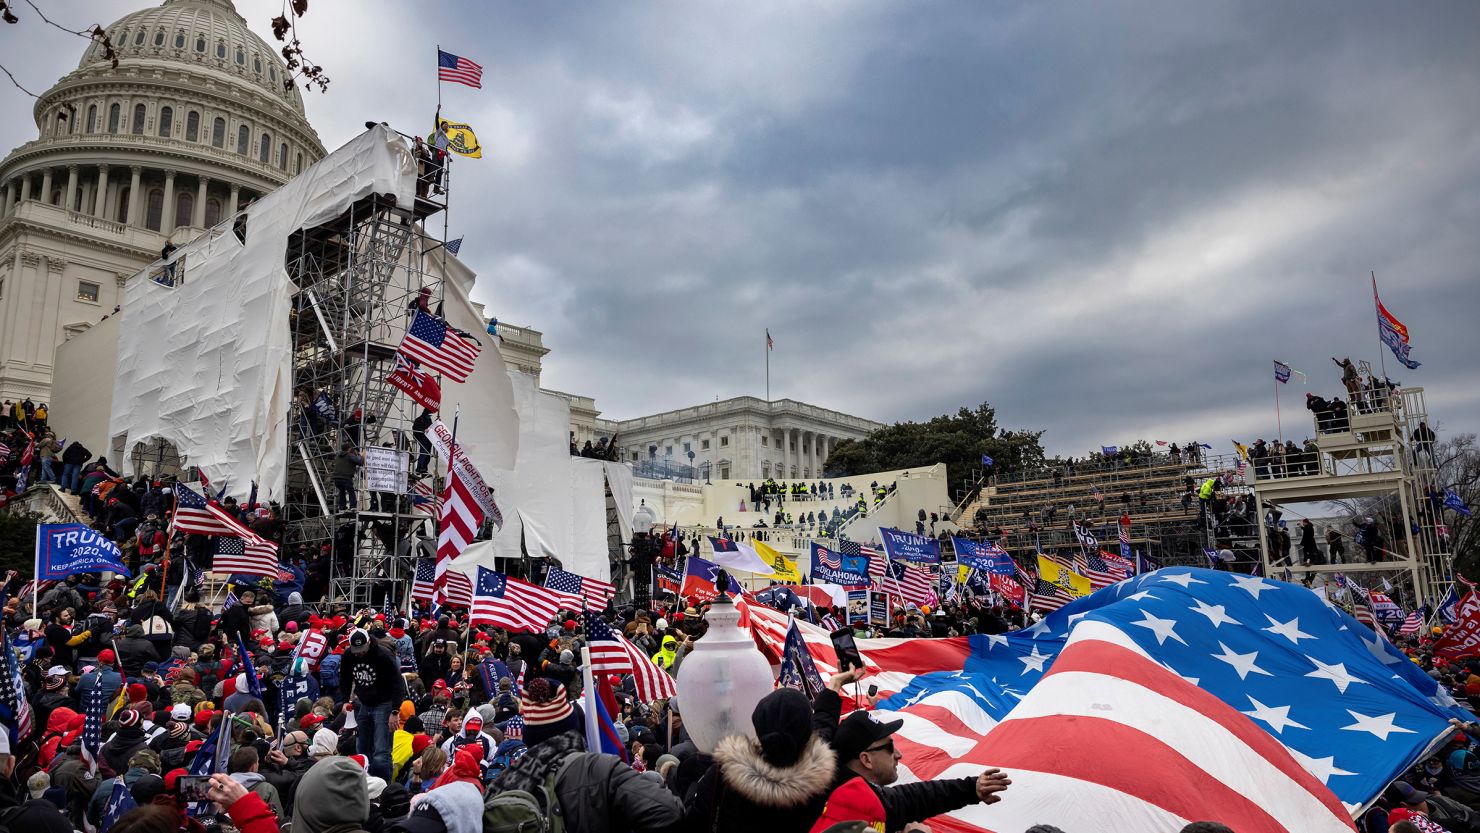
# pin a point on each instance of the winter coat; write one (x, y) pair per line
(742, 791)
(341, 798)
(133, 652)
(905, 803)
(250, 814)
(258, 785)
(598, 793)
(192, 626)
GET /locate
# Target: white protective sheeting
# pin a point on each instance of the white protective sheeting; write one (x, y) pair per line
(619, 479)
(555, 502)
(206, 364)
(488, 429)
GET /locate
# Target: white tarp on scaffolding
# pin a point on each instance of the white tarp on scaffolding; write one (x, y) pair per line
(206, 364)
(554, 502)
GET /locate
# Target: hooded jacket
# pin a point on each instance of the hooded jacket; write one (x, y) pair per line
(598, 793)
(461, 739)
(460, 804)
(668, 654)
(63, 727)
(341, 803)
(744, 791)
(258, 785)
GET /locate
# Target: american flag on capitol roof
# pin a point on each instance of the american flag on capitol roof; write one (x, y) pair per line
(1267, 708)
(458, 70)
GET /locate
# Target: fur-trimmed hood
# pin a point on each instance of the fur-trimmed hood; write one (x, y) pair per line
(767, 785)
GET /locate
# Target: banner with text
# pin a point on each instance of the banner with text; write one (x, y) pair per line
(1462, 639)
(68, 549)
(836, 568)
(441, 437)
(907, 546)
(983, 556)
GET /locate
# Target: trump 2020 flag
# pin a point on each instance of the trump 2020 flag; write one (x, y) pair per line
(68, 549)
(699, 580)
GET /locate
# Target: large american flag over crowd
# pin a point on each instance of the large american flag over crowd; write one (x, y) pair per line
(1254, 696)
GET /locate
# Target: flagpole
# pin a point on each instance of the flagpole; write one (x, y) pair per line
(1279, 425)
(1381, 357)
(768, 364)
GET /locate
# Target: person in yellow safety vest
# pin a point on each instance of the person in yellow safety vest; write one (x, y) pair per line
(668, 654)
(1205, 494)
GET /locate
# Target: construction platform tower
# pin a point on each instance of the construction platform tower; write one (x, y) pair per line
(358, 276)
(1375, 463)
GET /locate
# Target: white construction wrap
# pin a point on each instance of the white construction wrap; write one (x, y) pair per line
(205, 365)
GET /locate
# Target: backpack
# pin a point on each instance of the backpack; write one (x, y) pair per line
(329, 672)
(518, 811)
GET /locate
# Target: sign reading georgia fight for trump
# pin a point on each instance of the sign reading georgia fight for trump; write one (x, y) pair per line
(68, 549)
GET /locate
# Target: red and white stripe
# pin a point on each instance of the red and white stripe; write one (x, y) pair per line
(622, 657)
(461, 516)
(524, 607)
(915, 587)
(1104, 702)
(424, 488)
(459, 589)
(259, 556)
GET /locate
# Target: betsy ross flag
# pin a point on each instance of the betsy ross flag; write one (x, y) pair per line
(909, 583)
(458, 70)
(578, 592)
(461, 517)
(512, 604)
(421, 386)
(432, 343)
(611, 653)
(459, 586)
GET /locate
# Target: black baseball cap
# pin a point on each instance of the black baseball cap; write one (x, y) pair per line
(860, 730)
(423, 819)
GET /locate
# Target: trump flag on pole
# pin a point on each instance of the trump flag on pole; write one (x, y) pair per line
(68, 549)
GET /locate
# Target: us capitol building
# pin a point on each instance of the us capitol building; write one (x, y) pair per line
(196, 121)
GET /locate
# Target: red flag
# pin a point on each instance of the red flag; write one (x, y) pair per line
(461, 517)
(1462, 639)
(421, 386)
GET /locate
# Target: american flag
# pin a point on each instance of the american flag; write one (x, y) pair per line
(1100, 570)
(1412, 624)
(421, 386)
(458, 70)
(93, 708)
(875, 558)
(512, 604)
(1324, 710)
(254, 557)
(192, 514)
(910, 583)
(459, 586)
(120, 801)
(1046, 595)
(425, 498)
(454, 246)
(611, 653)
(431, 342)
(578, 592)
(15, 708)
(459, 522)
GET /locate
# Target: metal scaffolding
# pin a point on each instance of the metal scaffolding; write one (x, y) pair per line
(1372, 462)
(357, 278)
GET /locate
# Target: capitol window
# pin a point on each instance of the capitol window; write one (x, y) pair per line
(139, 38)
(192, 126)
(218, 133)
(243, 140)
(180, 39)
(220, 49)
(159, 38)
(257, 64)
(298, 164)
(113, 113)
(166, 121)
(87, 291)
(213, 212)
(241, 57)
(154, 210)
(283, 156)
(200, 44)
(264, 149)
(272, 73)
(138, 125)
(765, 440)
(724, 441)
(704, 444)
(184, 208)
(92, 117)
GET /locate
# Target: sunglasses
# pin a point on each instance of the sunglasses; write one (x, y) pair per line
(886, 746)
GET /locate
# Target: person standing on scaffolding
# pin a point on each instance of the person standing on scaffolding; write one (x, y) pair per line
(1351, 379)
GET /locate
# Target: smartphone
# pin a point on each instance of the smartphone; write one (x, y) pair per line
(872, 690)
(194, 787)
(846, 649)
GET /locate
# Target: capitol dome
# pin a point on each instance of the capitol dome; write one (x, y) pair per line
(199, 118)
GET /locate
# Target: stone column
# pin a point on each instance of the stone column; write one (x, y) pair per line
(200, 203)
(69, 199)
(167, 224)
(25, 186)
(231, 202)
(46, 186)
(100, 199)
(785, 443)
(135, 196)
(9, 198)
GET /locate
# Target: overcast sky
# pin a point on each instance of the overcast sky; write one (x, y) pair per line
(1105, 219)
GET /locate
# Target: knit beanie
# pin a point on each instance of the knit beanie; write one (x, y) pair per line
(546, 711)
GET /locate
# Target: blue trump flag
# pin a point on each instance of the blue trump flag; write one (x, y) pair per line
(68, 549)
(1347, 704)
(797, 668)
(254, 684)
(837, 568)
(907, 546)
(986, 460)
(1453, 501)
(1109, 450)
(983, 556)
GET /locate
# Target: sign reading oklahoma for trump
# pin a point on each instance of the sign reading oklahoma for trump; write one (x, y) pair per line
(68, 549)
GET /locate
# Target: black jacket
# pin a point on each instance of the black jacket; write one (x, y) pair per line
(743, 791)
(375, 678)
(236, 622)
(905, 803)
(598, 793)
(133, 652)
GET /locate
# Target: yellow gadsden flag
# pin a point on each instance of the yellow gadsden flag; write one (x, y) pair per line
(460, 139)
(1073, 583)
(785, 569)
